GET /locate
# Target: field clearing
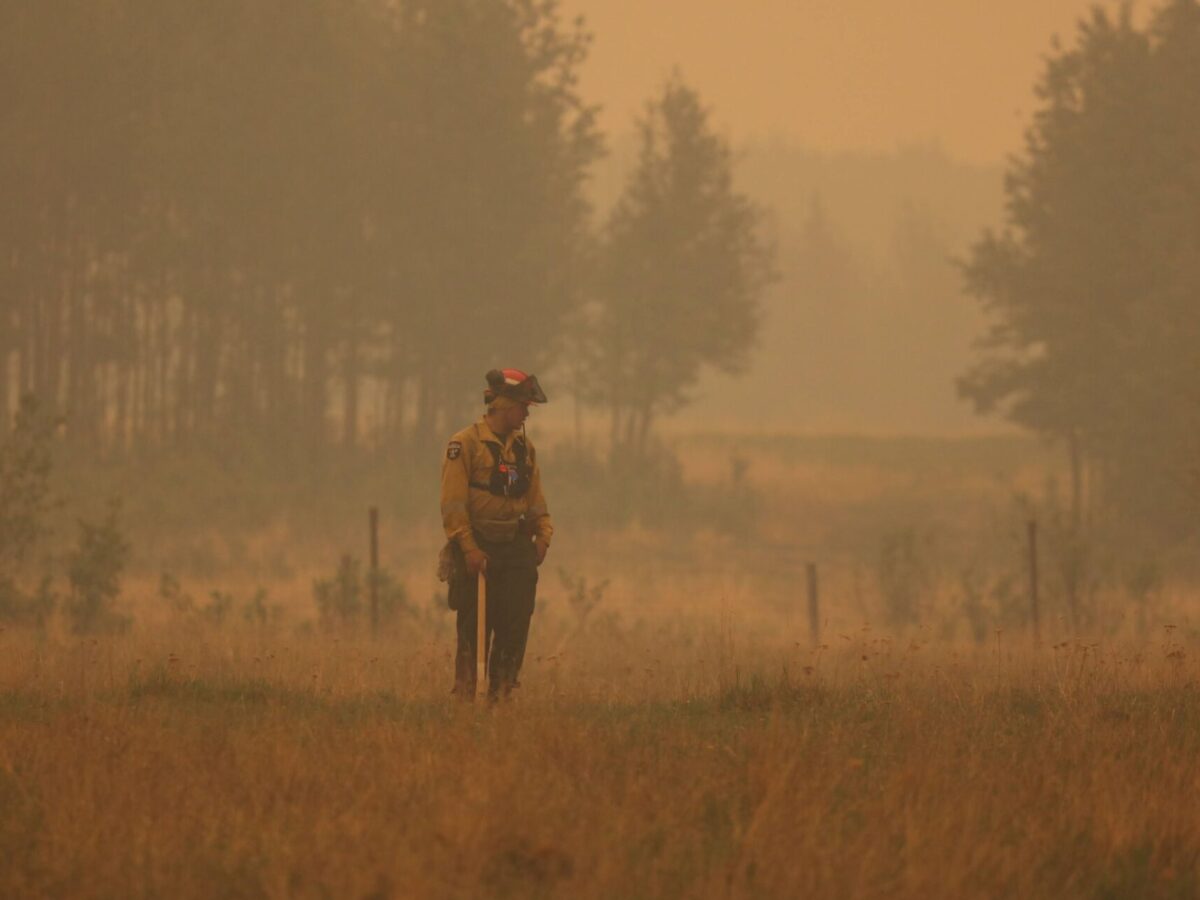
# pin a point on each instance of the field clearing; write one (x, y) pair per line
(678, 732)
(685, 762)
(829, 495)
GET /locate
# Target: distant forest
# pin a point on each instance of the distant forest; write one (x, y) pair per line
(869, 323)
(317, 225)
(310, 227)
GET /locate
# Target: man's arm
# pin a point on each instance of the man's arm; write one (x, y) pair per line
(538, 514)
(455, 481)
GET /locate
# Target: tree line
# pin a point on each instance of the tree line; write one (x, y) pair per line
(318, 224)
(315, 225)
(1093, 284)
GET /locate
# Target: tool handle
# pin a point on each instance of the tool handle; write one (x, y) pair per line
(481, 637)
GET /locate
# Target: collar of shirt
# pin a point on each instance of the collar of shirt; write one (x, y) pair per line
(486, 434)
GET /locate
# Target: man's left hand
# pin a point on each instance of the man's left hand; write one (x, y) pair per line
(540, 547)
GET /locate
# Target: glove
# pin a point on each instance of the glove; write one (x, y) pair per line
(477, 561)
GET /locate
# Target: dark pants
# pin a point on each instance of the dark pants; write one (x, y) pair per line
(511, 585)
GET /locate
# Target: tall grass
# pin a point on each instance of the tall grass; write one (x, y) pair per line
(684, 762)
(678, 732)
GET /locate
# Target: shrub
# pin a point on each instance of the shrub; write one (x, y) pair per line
(172, 593)
(18, 607)
(24, 501)
(94, 572)
(24, 484)
(344, 599)
(904, 577)
(220, 605)
(258, 611)
(582, 597)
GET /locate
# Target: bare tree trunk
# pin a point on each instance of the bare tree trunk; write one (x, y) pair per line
(314, 385)
(399, 382)
(629, 438)
(27, 368)
(54, 358)
(168, 347)
(643, 437)
(122, 389)
(9, 330)
(1076, 461)
(156, 398)
(390, 415)
(207, 385)
(276, 397)
(350, 376)
(5, 402)
(37, 349)
(578, 420)
(78, 376)
(432, 403)
(185, 381)
(7, 357)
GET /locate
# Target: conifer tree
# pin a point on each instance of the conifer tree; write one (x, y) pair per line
(683, 266)
(1092, 285)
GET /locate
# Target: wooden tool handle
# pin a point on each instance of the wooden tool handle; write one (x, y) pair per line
(481, 637)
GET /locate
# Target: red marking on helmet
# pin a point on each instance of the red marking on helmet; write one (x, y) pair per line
(513, 376)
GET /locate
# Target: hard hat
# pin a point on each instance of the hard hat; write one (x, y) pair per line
(514, 384)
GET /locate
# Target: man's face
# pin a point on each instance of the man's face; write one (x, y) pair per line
(516, 415)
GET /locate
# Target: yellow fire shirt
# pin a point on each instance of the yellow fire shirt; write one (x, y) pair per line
(468, 506)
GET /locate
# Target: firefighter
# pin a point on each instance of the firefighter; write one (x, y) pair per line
(496, 522)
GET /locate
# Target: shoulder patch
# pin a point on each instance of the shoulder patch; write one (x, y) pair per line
(454, 450)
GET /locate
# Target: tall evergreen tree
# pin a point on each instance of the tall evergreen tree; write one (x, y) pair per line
(249, 221)
(683, 266)
(1092, 285)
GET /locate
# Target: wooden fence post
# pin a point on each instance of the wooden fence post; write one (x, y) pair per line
(374, 576)
(814, 608)
(1033, 581)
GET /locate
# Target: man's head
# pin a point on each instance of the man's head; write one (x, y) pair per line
(514, 384)
(509, 394)
(506, 414)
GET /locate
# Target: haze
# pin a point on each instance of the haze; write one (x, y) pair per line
(861, 75)
(853, 549)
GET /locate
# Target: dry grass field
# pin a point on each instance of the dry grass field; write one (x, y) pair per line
(677, 732)
(644, 763)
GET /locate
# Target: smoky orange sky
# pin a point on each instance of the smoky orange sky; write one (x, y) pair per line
(858, 75)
